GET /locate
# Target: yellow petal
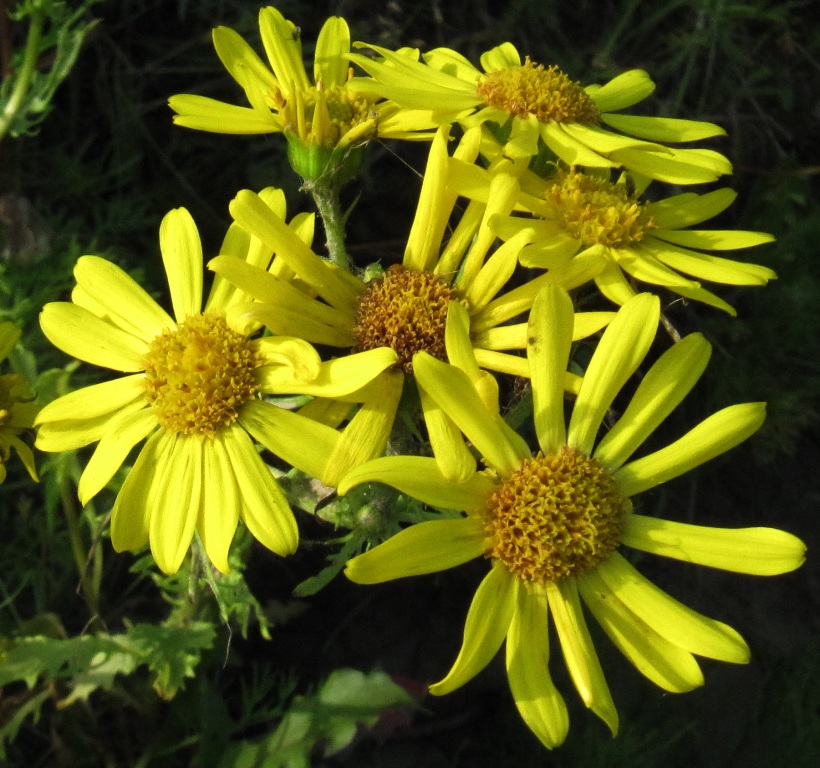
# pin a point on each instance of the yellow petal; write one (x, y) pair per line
(336, 378)
(457, 341)
(427, 547)
(97, 400)
(249, 210)
(239, 58)
(219, 510)
(85, 336)
(367, 433)
(642, 264)
(488, 619)
(279, 294)
(421, 478)
(622, 91)
(689, 208)
(663, 129)
(579, 652)
(715, 435)
(668, 381)
(579, 270)
(674, 166)
(758, 551)
(495, 274)
(672, 620)
(502, 56)
(294, 354)
(284, 49)
(539, 703)
(175, 498)
(182, 256)
(570, 149)
(452, 390)
(665, 664)
(707, 267)
(702, 295)
(502, 197)
(714, 239)
(301, 442)
(201, 113)
(452, 454)
(432, 212)
(548, 345)
(332, 46)
(113, 449)
(621, 350)
(133, 506)
(612, 284)
(264, 507)
(131, 306)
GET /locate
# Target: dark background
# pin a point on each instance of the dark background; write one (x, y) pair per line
(107, 164)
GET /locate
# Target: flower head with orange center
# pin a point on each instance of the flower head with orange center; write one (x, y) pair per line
(406, 309)
(551, 521)
(193, 393)
(17, 411)
(584, 213)
(534, 105)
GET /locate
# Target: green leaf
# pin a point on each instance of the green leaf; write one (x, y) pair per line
(172, 653)
(347, 700)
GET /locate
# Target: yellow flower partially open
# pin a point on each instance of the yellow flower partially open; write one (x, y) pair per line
(322, 113)
(551, 522)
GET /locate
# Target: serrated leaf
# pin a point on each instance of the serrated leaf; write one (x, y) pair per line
(171, 653)
(32, 657)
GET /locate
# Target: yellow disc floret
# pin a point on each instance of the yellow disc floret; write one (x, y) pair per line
(197, 376)
(406, 311)
(532, 89)
(555, 516)
(596, 211)
(323, 116)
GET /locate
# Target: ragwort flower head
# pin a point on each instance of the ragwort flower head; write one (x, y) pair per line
(17, 411)
(406, 309)
(585, 213)
(323, 120)
(541, 104)
(192, 391)
(551, 523)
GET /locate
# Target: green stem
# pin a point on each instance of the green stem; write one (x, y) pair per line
(78, 549)
(24, 75)
(326, 197)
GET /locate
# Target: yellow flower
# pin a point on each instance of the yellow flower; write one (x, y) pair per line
(192, 392)
(551, 523)
(406, 309)
(582, 213)
(317, 117)
(17, 412)
(543, 103)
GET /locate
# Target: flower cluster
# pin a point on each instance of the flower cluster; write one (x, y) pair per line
(540, 195)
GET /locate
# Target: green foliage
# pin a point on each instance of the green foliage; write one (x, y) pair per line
(54, 31)
(88, 663)
(325, 722)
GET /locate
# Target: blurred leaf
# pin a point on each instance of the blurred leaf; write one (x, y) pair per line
(327, 720)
